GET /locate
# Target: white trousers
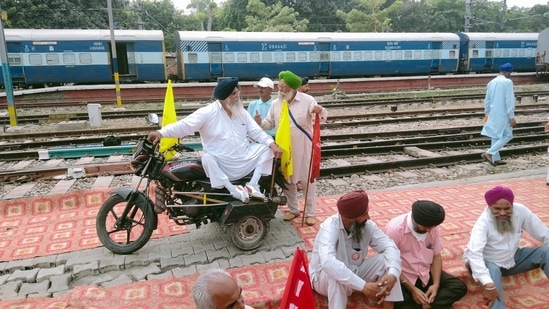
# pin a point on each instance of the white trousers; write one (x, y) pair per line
(291, 196)
(370, 270)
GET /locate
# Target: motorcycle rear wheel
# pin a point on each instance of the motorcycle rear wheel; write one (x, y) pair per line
(123, 236)
(248, 232)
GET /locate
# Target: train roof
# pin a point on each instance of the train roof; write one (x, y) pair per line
(221, 36)
(36, 35)
(483, 36)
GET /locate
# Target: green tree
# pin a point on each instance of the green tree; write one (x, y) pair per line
(275, 18)
(59, 14)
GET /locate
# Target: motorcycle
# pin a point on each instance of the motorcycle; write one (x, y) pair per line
(181, 189)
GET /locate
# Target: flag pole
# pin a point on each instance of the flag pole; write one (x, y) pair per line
(272, 178)
(308, 182)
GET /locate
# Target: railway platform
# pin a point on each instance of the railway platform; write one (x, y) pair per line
(50, 256)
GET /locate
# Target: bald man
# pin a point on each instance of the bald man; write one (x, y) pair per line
(217, 289)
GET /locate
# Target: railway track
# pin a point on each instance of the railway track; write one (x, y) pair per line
(331, 104)
(439, 148)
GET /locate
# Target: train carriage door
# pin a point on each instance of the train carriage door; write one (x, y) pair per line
(15, 60)
(324, 59)
(131, 62)
(489, 57)
(435, 56)
(215, 58)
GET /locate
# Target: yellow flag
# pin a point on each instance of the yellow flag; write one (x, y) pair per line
(168, 116)
(284, 141)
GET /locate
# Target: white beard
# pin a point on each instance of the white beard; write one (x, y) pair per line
(286, 96)
(236, 107)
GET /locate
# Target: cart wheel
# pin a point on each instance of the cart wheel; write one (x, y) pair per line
(248, 233)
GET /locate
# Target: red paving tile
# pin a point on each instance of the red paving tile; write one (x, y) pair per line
(263, 284)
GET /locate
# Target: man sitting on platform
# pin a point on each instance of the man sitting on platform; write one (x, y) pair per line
(339, 263)
(493, 249)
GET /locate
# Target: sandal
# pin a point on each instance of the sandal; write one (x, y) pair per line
(290, 216)
(483, 155)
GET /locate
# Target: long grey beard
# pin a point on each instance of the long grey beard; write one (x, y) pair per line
(356, 230)
(504, 226)
(236, 107)
(286, 96)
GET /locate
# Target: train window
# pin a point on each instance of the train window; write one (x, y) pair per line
(498, 53)
(35, 59)
(290, 57)
(505, 53)
(514, 52)
(346, 56)
(14, 59)
(388, 55)
(242, 57)
(357, 56)
(85, 58)
(530, 52)
(336, 56)
(417, 54)
(69, 59)
(475, 53)
(408, 54)
(377, 55)
(302, 57)
(452, 54)
(267, 57)
(193, 57)
(436, 54)
(279, 57)
(228, 57)
(398, 54)
(522, 52)
(427, 54)
(52, 59)
(214, 57)
(324, 56)
(254, 57)
(368, 55)
(488, 53)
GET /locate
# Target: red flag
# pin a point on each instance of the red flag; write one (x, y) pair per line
(298, 293)
(315, 156)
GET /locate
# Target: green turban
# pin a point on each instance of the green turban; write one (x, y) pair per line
(293, 81)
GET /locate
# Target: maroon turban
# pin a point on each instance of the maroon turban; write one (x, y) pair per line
(353, 204)
(497, 193)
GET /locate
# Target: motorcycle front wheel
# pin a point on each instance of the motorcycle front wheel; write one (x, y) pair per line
(123, 235)
(248, 232)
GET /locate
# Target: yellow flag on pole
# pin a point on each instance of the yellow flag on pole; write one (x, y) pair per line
(168, 116)
(284, 141)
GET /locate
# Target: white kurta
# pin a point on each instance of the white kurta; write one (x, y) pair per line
(487, 243)
(301, 109)
(499, 105)
(337, 269)
(226, 139)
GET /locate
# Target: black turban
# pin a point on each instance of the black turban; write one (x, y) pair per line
(427, 213)
(304, 80)
(353, 204)
(225, 87)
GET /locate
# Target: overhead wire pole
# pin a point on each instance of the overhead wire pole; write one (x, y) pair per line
(114, 58)
(8, 86)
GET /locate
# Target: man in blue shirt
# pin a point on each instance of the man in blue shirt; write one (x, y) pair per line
(261, 106)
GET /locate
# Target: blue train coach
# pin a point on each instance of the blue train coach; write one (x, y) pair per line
(61, 56)
(205, 55)
(485, 52)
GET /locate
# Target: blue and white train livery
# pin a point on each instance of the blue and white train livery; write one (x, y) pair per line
(485, 52)
(249, 55)
(58, 56)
